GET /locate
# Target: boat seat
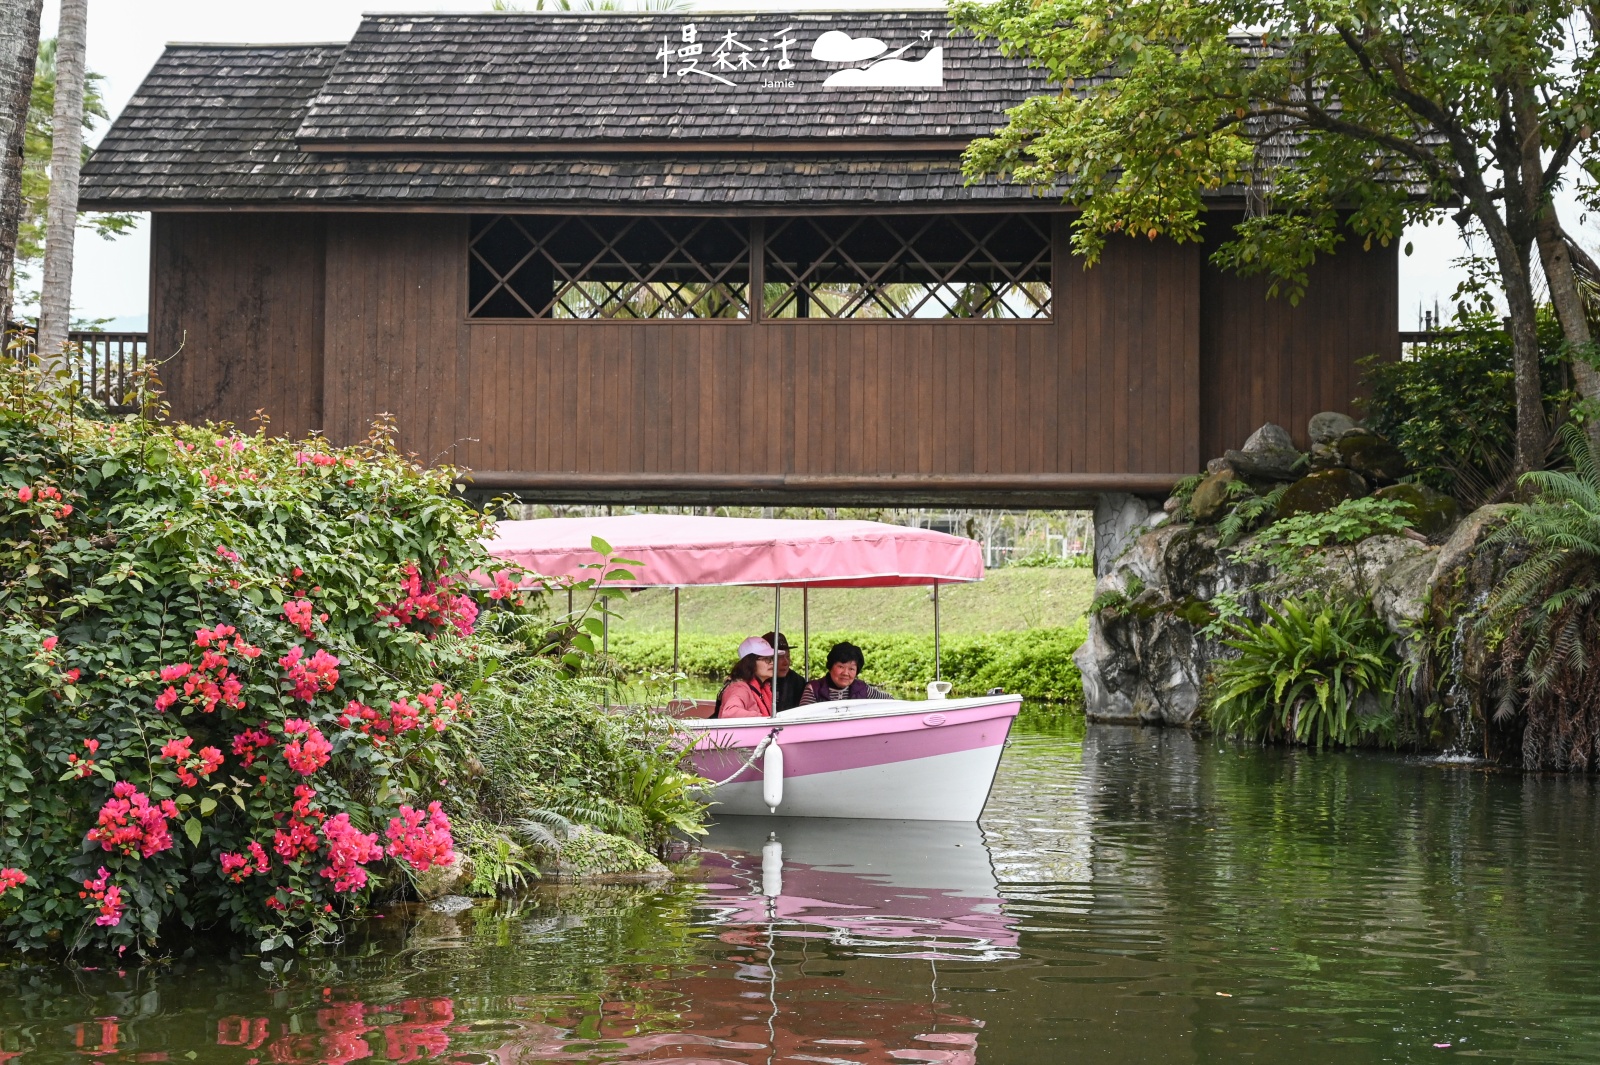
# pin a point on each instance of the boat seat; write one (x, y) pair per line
(694, 708)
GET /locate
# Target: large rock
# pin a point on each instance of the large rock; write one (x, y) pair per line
(1269, 454)
(1433, 514)
(1327, 427)
(1268, 438)
(1119, 519)
(1147, 662)
(1282, 465)
(1210, 499)
(1372, 456)
(1321, 491)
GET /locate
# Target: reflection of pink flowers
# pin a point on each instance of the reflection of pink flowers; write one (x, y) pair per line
(307, 753)
(348, 850)
(130, 824)
(104, 899)
(421, 840)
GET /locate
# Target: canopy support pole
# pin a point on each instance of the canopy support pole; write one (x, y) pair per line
(805, 631)
(777, 617)
(675, 593)
(936, 675)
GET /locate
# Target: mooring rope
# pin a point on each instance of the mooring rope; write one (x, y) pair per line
(760, 749)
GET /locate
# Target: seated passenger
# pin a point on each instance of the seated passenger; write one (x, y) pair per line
(748, 692)
(845, 661)
(790, 683)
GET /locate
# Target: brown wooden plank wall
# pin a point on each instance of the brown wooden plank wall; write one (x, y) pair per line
(236, 309)
(1154, 361)
(1266, 360)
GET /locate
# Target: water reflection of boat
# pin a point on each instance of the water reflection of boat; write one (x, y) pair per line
(912, 889)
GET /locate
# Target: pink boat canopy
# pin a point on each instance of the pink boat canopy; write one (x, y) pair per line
(685, 551)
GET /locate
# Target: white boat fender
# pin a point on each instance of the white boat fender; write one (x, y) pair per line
(772, 777)
(772, 867)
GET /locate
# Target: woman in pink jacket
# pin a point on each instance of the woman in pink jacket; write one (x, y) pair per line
(748, 692)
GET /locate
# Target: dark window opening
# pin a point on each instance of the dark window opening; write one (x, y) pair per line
(531, 266)
(890, 266)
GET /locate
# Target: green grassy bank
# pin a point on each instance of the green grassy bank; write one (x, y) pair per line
(1007, 600)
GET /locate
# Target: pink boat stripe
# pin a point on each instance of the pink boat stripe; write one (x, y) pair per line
(831, 746)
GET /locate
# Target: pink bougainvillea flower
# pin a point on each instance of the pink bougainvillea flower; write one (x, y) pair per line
(224, 553)
(421, 839)
(25, 494)
(348, 850)
(49, 642)
(105, 900)
(309, 750)
(236, 866)
(247, 743)
(299, 612)
(10, 878)
(309, 676)
(130, 823)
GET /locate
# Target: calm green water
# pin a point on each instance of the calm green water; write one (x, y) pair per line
(1133, 896)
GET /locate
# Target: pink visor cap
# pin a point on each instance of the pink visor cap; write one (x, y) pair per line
(755, 645)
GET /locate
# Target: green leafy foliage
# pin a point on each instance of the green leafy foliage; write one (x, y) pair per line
(1034, 663)
(237, 671)
(1450, 409)
(1546, 614)
(1302, 674)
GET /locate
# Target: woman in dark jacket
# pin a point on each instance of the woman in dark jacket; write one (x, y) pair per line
(841, 681)
(791, 685)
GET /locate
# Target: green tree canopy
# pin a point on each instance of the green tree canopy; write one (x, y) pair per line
(1325, 119)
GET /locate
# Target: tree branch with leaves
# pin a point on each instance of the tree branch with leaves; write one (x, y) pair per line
(1330, 120)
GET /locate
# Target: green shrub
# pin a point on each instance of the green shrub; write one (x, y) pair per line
(1302, 672)
(237, 671)
(1546, 614)
(1034, 663)
(1450, 408)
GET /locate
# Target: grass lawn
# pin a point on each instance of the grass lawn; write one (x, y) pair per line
(1005, 600)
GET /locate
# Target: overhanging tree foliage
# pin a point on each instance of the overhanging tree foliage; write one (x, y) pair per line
(1329, 118)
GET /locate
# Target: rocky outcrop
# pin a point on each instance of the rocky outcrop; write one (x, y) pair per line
(1149, 651)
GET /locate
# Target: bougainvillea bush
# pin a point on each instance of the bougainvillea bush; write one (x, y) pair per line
(234, 675)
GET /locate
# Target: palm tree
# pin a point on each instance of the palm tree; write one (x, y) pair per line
(19, 40)
(66, 160)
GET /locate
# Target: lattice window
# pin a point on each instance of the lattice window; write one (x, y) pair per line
(531, 266)
(890, 266)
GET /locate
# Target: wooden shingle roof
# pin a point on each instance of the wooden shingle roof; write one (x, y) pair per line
(541, 79)
(539, 110)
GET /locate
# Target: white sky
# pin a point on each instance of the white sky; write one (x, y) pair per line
(111, 279)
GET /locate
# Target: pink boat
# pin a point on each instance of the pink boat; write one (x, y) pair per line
(928, 759)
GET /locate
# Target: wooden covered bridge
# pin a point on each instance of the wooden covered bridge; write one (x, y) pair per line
(689, 258)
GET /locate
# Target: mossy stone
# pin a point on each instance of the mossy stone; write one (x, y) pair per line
(1372, 456)
(1319, 492)
(1432, 513)
(593, 853)
(1210, 498)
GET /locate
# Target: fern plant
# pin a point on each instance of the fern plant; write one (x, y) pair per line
(1301, 673)
(1547, 612)
(1248, 514)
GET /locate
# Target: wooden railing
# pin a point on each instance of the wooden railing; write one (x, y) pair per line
(110, 365)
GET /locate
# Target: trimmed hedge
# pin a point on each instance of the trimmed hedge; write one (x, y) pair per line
(1035, 663)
